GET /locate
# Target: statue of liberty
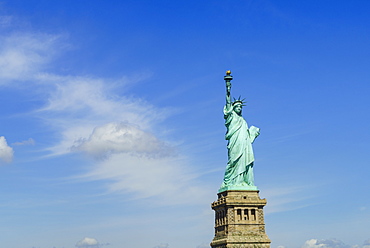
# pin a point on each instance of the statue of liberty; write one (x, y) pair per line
(239, 169)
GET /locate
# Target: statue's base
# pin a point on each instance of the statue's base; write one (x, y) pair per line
(239, 220)
(237, 187)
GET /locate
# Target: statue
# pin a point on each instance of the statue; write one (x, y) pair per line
(239, 170)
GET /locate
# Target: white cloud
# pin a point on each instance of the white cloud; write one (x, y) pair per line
(324, 243)
(332, 243)
(6, 152)
(88, 243)
(115, 138)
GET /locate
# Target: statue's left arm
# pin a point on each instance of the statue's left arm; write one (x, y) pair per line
(253, 133)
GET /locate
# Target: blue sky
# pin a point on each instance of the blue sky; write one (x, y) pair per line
(112, 130)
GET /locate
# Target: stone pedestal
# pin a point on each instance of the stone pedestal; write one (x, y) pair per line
(239, 221)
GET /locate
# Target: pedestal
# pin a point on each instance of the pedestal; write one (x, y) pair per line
(239, 220)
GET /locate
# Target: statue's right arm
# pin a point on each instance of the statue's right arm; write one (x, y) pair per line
(228, 95)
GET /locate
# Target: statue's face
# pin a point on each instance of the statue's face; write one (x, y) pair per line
(238, 109)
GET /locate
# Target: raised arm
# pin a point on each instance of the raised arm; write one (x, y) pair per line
(228, 79)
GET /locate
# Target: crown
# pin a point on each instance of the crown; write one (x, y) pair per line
(241, 101)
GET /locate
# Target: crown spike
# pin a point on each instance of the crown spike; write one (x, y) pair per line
(239, 100)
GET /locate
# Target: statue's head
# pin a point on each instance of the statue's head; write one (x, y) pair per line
(238, 105)
(238, 108)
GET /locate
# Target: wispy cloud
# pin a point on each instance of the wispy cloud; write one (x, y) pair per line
(24, 55)
(330, 243)
(30, 141)
(78, 105)
(95, 117)
(5, 20)
(203, 246)
(91, 119)
(287, 198)
(366, 243)
(162, 177)
(163, 245)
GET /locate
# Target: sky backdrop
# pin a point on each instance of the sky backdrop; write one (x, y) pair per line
(112, 130)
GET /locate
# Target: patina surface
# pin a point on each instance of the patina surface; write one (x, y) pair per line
(239, 169)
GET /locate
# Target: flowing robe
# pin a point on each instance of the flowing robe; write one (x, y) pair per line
(239, 170)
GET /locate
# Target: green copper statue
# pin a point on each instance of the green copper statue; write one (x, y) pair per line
(239, 170)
